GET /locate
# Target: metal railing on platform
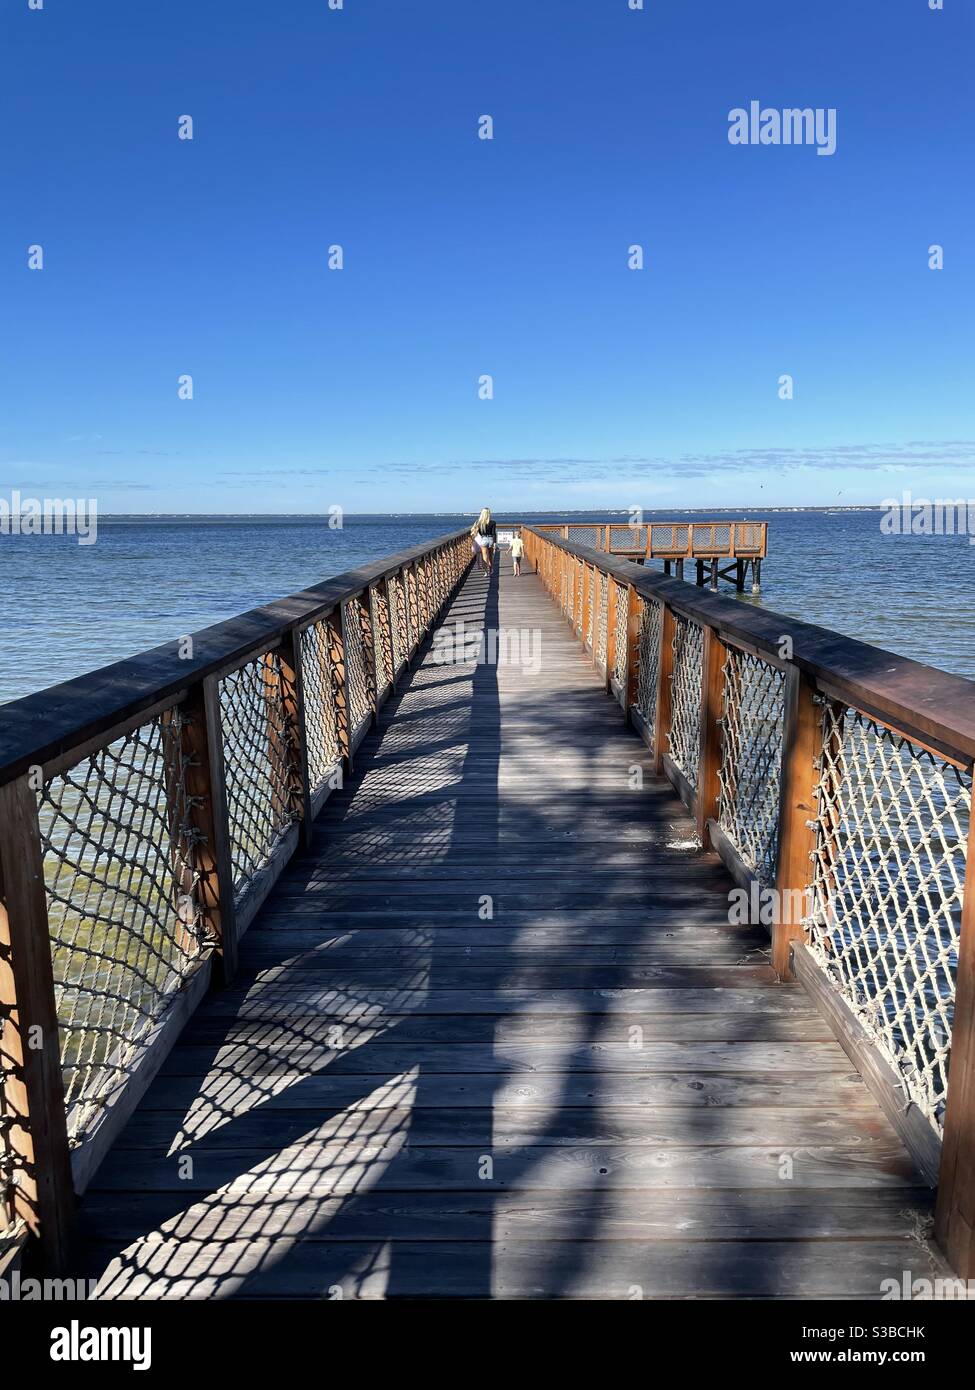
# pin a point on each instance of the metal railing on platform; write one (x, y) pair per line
(666, 540)
(835, 781)
(145, 812)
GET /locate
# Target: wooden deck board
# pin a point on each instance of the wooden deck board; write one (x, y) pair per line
(599, 1088)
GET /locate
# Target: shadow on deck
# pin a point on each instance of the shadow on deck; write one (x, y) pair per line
(494, 1037)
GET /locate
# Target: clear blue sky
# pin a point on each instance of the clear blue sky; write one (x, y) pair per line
(462, 257)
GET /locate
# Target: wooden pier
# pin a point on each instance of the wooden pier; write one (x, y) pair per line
(492, 1030)
(717, 549)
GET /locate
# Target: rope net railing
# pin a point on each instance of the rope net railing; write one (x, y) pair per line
(321, 659)
(752, 723)
(648, 664)
(257, 731)
(382, 638)
(620, 665)
(123, 915)
(888, 886)
(158, 838)
(685, 726)
(602, 629)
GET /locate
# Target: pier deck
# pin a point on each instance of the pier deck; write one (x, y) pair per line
(493, 1036)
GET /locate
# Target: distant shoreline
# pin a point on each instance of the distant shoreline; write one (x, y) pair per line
(507, 513)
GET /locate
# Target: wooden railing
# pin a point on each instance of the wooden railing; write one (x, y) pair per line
(835, 781)
(668, 540)
(145, 812)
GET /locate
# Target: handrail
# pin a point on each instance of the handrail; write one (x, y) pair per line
(146, 810)
(668, 540)
(835, 781)
(916, 697)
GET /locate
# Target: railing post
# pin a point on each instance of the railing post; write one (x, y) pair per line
(376, 641)
(634, 615)
(610, 632)
(801, 756)
(201, 747)
(954, 1225)
(587, 579)
(665, 669)
(33, 1134)
(709, 759)
(296, 745)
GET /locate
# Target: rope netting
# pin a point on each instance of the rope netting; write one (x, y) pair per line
(381, 637)
(648, 661)
(685, 730)
(887, 892)
(123, 913)
(622, 613)
(399, 631)
(320, 683)
(257, 770)
(592, 581)
(602, 631)
(751, 758)
(358, 663)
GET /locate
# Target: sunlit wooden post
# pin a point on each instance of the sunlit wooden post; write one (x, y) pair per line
(610, 631)
(336, 645)
(709, 758)
(201, 749)
(296, 741)
(33, 1130)
(588, 574)
(634, 618)
(955, 1214)
(802, 747)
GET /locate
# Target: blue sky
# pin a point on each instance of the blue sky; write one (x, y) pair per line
(463, 257)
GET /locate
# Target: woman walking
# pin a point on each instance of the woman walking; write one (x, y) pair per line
(484, 535)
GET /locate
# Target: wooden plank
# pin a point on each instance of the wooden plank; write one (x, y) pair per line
(36, 1137)
(460, 1090)
(518, 1269)
(646, 1216)
(516, 1127)
(327, 1168)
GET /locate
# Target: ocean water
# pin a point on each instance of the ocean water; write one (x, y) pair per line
(67, 608)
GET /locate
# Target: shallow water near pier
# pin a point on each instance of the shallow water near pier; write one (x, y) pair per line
(66, 608)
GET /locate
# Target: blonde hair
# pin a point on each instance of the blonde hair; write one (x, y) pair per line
(482, 520)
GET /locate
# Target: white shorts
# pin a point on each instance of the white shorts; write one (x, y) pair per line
(485, 542)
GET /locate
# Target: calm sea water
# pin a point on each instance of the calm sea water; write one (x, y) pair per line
(66, 609)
